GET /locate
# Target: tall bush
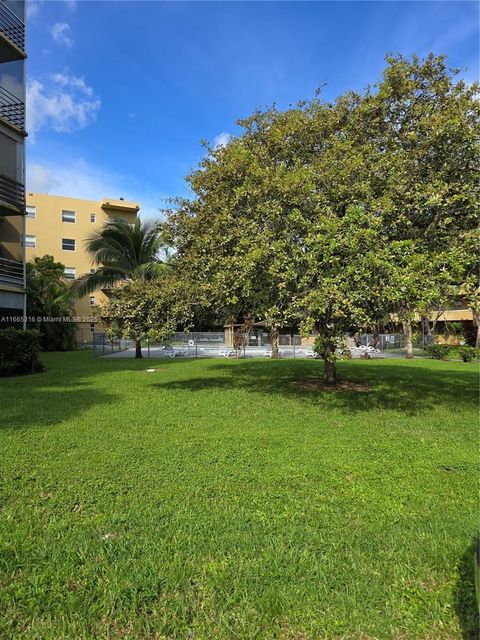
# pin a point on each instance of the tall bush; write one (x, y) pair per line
(19, 351)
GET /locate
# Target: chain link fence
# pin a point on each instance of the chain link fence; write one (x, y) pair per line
(206, 344)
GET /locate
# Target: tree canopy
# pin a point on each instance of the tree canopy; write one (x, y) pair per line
(51, 302)
(334, 215)
(146, 309)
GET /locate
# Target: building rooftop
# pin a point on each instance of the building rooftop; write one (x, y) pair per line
(111, 204)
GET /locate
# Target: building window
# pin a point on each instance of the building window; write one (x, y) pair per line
(92, 327)
(92, 270)
(68, 216)
(69, 273)
(92, 300)
(93, 217)
(68, 244)
(31, 212)
(120, 220)
(30, 241)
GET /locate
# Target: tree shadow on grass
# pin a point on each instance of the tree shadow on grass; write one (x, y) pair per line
(411, 388)
(69, 387)
(466, 603)
(46, 408)
(35, 401)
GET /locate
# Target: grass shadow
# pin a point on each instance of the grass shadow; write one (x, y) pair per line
(466, 604)
(411, 388)
(51, 397)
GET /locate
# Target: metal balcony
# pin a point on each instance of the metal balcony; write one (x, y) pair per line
(11, 272)
(12, 109)
(12, 194)
(12, 35)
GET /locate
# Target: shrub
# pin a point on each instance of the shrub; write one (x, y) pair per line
(19, 351)
(438, 351)
(467, 353)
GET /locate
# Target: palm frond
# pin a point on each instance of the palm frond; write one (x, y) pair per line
(103, 277)
(123, 251)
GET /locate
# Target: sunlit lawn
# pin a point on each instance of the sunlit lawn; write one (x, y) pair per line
(213, 499)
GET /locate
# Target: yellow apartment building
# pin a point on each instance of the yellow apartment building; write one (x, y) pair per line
(59, 226)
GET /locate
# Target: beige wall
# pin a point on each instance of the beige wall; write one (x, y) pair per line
(49, 230)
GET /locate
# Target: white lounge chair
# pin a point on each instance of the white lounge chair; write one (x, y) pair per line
(268, 353)
(226, 353)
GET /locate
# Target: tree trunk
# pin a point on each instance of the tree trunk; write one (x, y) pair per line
(407, 330)
(274, 335)
(426, 326)
(138, 349)
(329, 366)
(476, 321)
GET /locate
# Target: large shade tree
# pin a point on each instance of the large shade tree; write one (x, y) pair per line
(326, 212)
(285, 228)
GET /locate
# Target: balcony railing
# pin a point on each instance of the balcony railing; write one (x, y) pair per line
(12, 108)
(11, 272)
(12, 193)
(12, 27)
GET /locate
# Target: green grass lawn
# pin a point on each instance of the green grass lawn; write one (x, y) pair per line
(214, 500)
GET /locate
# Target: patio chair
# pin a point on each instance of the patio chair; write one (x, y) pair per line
(226, 353)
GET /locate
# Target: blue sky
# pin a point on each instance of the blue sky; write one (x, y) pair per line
(120, 94)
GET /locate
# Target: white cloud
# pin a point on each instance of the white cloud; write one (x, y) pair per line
(74, 178)
(63, 104)
(71, 4)
(221, 140)
(66, 80)
(41, 179)
(80, 179)
(61, 34)
(33, 7)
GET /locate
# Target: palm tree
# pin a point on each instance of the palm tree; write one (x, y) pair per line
(123, 252)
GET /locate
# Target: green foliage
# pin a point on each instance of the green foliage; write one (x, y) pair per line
(454, 329)
(468, 353)
(146, 309)
(19, 351)
(335, 215)
(335, 347)
(123, 251)
(438, 351)
(51, 301)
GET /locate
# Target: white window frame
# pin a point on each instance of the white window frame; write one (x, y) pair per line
(74, 244)
(28, 243)
(31, 212)
(66, 213)
(93, 218)
(71, 273)
(92, 327)
(91, 299)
